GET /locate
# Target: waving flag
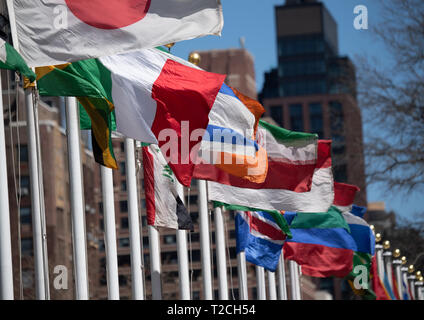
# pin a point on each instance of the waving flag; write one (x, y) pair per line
(319, 199)
(321, 243)
(260, 238)
(163, 205)
(157, 98)
(292, 158)
(344, 195)
(10, 59)
(388, 286)
(377, 284)
(229, 147)
(58, 31)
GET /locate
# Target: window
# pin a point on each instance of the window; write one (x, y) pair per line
(124, 260)
(26, 246)
(143, 221)
(123, 206)
(315, 117)
(25, 213)
(340, 173)
(23, 156)
(169, 257)
(122, 168)
(145, 241)
(143, 203)
(124, 242)
(124, 223)
(170, 239)
(24, 182)
(124, 185)
(123, 280)
(102, 225)
(101, 208)
(296, 117)
(122, 147)
(277, 114)
(101, 245)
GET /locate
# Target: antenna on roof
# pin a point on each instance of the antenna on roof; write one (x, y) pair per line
(242, 42)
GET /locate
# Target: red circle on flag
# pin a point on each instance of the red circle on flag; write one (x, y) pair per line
(109, 14)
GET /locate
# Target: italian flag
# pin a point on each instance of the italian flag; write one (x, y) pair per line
(318, 199)
(154, 95)
(163, 205)
(10, 59)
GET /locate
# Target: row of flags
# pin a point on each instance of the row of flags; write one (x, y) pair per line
(193, 125)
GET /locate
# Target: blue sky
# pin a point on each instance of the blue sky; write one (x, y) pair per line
(254, 20)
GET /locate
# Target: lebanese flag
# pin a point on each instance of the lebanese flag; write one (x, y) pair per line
(163, 205)
(57, 31)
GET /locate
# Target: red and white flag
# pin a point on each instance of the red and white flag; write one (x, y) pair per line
(56, 31)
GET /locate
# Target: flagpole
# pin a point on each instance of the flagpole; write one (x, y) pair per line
(204, 240)
(40, 289)
(282, 286)
(418, 288)
(387, 257)
(134, 222)
(182, 252)
(155, 267)
(37, 232)
(294, 280)
(272, 285)
(76, 195)
(411, 280)
(397, 263)
(379, 256)
(404, 273)
(6, 267)
(110, 233)
(220, 254)
(242, 275)
(260, 283)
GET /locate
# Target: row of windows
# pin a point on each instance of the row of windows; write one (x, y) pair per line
(294, 46)
(302, 67)
(303, 87)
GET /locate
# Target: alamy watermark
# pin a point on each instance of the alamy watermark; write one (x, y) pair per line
(360, 22)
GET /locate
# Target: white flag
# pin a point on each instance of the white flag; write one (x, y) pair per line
(56, 31)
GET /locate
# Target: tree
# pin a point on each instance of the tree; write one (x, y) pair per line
(392, 99)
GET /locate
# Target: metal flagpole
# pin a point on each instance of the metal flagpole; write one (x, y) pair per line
(204, 240)
(404, 274)
(411, 280)
(183, 269)
(155, 268)
(76, 195)
(294, 280)
(379, 256)
(242, 275)
(220, 254)
(134, 222)
(110, 234)
(418, 285)
(397, 263)
(260, 283)
(272, 286)
(282, 286)
(40, 289)
(387, 257)
(37, 231)
(6, 268)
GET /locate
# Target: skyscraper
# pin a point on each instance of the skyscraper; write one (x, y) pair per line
(313, 88)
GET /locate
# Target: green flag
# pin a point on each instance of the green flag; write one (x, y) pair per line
(10, 59)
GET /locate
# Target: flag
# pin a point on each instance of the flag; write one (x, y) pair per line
(377, 285)
(344, 195)
(395, 284)
(10, 59)
(292, 158)
(164, 207)
(321, 243)
(157, 98)
(319, 199)
(365, 291)
(260, 238)
(57, 31)
(276, 215)
(388, 287)
(229, 146)
(406, 291)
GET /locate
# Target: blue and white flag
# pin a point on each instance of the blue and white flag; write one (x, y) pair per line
(360, 230)
(260, 237)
